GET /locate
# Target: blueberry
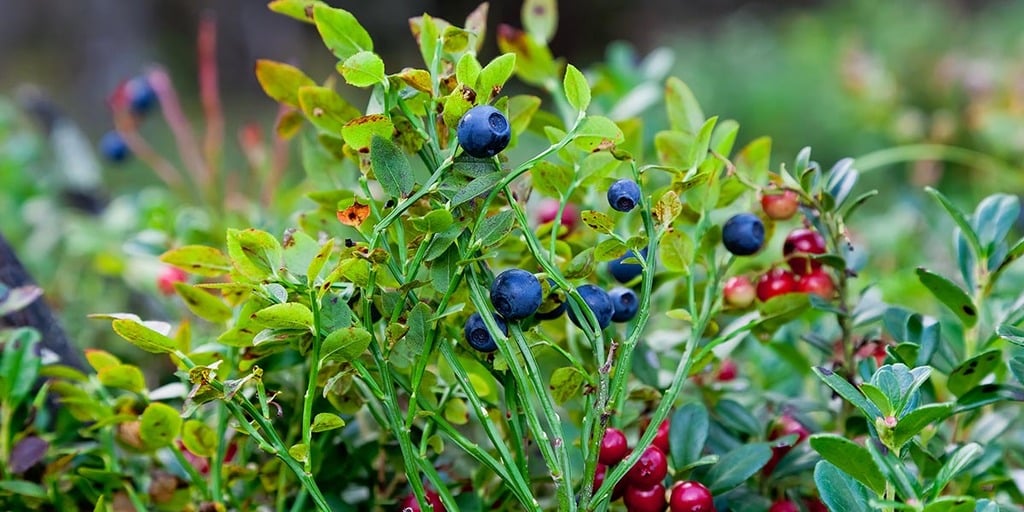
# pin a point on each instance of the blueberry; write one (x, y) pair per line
(626, 272)
(484, 131)
(625, 303)
(141, 96)
(477, 335)
(554, 297)
(113, 147)
(516, 294)
(623, 195)
(599, 302)
(743, 234)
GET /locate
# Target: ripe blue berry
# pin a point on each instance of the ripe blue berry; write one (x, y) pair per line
(477, 335)
(625, 302)
(141, 96)
(743, 234)
(599, 302)
(626, 272)
(113, 147)
(554, 297)
(516, 294)
(623, 195)
(484, 131)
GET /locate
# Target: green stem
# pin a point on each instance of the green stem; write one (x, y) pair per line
(193, 474)
(314, 370)
(217, 465)
(6, 416)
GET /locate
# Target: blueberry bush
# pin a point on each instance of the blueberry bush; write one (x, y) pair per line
(488, 301)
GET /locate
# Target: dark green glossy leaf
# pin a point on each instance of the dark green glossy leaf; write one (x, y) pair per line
(848, 392)
(987, 394)
(838, 490)
(951, 295)
(479, 185)
(959, 461)
(19, 364)
(851, 458)
(971, 372)
(736, 466)
(494, 228)
(688, 431)
(911, 424)
(390, 167)
(959, 218)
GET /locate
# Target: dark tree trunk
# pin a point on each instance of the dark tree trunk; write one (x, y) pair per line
(37, 315)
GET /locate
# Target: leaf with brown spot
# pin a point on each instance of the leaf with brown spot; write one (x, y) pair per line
(354, 215)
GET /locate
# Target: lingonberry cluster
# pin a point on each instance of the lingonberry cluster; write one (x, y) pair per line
(743, 235)
(643, 487)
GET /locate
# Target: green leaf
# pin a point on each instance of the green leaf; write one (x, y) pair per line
(848, 392)
(676, 251)
(255, 254)
(735, 416)
(577, 90)
(581, 265)
(290, 315)
(24, 488)
(566, 383)
(436, 221)
(19, 365)
(521, 109)
(299, 452)
(951, 295)
(688, 431)
(701, 143)
(301, 10)
(851, 458)
(325, 421)
(199, 438)
(838, 490)
(494, 228)
(480, 185)
(971, 372)
(341, 32)
(609, 249)
(281, 81)
(684, 113)
(1017, 368)
(597, 132)
(199, 260)
(551, 179)
(318, 261)
(959, 461)
(123, 376)
(159, 425)
(878, 398)
(345, 344)
(959, 218)
(957, 504)
(987, 394)
(534, 62)
(456, 411)
(493, 77)
(326, 109)
(444, 268)
(754, 159)
(143, 337)
(540, 19)
(736, 466)
(363, 69)
(360, 131)
(467, 70)
(1011, 333)
(98, 359)
(203, 304)
(390, 167)
(993, 219)
(454, 40)
(598, 221)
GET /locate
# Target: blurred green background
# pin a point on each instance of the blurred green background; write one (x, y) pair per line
(849, 78)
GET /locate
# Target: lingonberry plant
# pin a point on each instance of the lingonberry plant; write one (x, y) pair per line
(417, 340)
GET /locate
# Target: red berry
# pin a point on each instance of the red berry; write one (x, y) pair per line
(548, 209)
(650, 468)
(727, 371)
(691, 497)
(651, 499)
(817, 282)
(784, 506)
(614, 447)
(599, 476)
(739, 292)
(803, 241)
(781, 206)
(409, 504)
(785, 426)
(815, 505)
(661, 438)
(168, 276)
(775, 282)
